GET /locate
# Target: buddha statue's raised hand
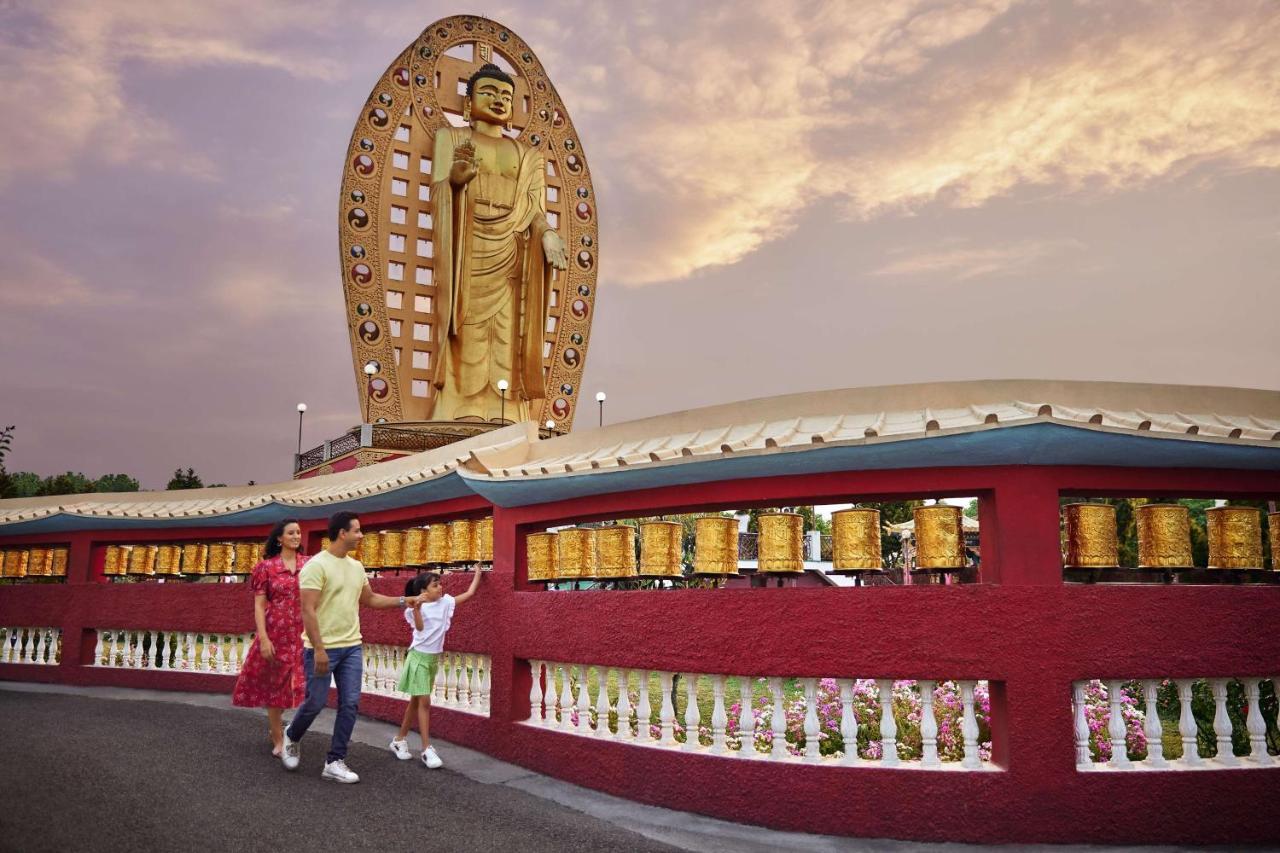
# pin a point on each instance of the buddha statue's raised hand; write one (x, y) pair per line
(464, 164)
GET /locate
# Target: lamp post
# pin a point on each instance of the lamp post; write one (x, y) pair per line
(369, 369)
(502, 389)
(600, 400)
(551, 427)
(302, 408)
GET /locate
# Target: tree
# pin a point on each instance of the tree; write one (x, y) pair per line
(69, 483)
(971, 511)
(188, 479)
(115, 483)
(6, 482)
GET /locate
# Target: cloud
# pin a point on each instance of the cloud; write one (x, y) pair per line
(33, 283)
(961, 261)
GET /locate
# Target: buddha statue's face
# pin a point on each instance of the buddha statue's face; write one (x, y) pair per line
(491, 101)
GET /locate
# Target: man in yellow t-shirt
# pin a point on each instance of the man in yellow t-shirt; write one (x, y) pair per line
(333, 586)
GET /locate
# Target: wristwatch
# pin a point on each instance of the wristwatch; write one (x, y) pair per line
(402, 601)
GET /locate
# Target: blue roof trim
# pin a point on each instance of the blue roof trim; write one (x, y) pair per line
(1030, 444)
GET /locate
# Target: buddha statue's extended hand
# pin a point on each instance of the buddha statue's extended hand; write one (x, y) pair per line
(553, 247)
(464, 164)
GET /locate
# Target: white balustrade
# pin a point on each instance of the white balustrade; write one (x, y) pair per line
(36, 646)
(1215, 731)
(170, 651)
(874, 710)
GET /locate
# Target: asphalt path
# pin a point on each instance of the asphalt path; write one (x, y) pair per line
(88, 774)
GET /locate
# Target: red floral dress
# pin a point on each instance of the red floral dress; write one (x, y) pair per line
(278, 683)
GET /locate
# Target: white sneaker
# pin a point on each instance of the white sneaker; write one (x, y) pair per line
(401, 749)
(337, 771)
(431, 759)
(291, 754)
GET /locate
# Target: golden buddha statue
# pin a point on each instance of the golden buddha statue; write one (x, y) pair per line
(494, 250)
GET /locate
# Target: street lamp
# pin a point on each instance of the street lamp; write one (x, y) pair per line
(502, 389)
(600, 400)
(551, 427)
(302, 408)
(369, 369)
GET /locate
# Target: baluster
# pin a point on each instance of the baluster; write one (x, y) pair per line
(584, 701)
(566, 697)
(1222, 723)
(164, 647)
(812, 745)
(692, 713)
(1116, 727)
(1255, 724)
(57, 645)
(40, 645)
(110, 643)
(535, 693)
(889, 726)
(1151, 727)
(624, 706)
(450, 678)
(229, 658)
(98, 647)
(385, 668)
(217, 661)
(602, 702)
(461, 696)
(130, 650)
(928, 727)
(719, 719)
(969, 728)
(746, 719)
(778, 721)
(5, 636)
(848, 722)
(1084, 760)
(666, 712)
(187, 652)
(644, 712)
(1187, 723)
(437, 692)
(473, 687)
(486, 683)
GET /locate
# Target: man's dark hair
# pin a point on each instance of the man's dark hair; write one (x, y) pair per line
(339, 522)
(489, 71)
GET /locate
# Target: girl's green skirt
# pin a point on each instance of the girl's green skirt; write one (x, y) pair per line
(418, 675)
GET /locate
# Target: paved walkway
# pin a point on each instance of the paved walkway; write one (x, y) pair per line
(160, 770)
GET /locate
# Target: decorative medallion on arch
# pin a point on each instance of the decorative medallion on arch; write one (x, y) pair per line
(389, 249)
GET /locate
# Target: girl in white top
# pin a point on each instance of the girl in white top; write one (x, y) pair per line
(430, 622)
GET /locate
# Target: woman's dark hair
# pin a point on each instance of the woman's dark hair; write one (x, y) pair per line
(273, 547)
(416, 585)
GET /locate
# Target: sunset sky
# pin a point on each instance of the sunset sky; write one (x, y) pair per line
(792, 196)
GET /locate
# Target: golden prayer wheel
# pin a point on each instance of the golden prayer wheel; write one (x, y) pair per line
(15, 564)
(38, 563)
(1091, 536)
(195, 559)
(464, 545)
(142, 560)
(244, 559)
(939, 537)
(540, 552)
(168, 559)
(415, 546)
(661, 549)
(1164, 536)
(371, 555)
(576, 554)
(58, 563)
(116, 559)
(484, 531)
(781, 543)
(393, 555)
(616, 547)
(715, 550)
(220, 556)
(325, 542)
(1235, 537)
(855, 540)
(438, 544)
(1273, 527)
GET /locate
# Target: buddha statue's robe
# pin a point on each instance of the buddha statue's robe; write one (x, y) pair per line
(493, 283)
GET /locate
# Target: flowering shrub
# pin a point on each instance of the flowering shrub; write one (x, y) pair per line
(1097, 714)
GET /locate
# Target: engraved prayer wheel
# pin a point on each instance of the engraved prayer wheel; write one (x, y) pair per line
(1164, 536)
(1091, 536)
(540, 554)
(616, 547)
(58, 562)
(781, 543)
(1273, 529)
(38, 564)
(939, 537)
(168, 559)
(415, 546)
(715, 549)
(484, 532)
(220, 556)
(195, 559)
(438, 545)
(15, 564)
(325, 542)
(855, 540)
(371, 555)
(464, 544)
(1235, 537)
(576, 554)
(393, 556)
(116, 559)
(244, 559)
(661, 549)
(142, 560)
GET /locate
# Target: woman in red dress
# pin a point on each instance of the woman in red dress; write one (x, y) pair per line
(272, 674)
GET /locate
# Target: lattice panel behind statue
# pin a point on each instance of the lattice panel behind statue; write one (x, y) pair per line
(387, 236)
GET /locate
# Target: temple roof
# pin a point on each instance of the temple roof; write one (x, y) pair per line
(1004, 422)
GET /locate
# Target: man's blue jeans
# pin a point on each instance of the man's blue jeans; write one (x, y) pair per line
(347, 666)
